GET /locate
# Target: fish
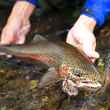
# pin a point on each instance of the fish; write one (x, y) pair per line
(65, 64)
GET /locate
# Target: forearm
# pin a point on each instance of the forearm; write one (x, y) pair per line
(22, 10)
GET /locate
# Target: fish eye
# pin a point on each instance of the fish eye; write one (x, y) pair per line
(77, 72)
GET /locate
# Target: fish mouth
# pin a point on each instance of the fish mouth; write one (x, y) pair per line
(71, 88)
(89, 85)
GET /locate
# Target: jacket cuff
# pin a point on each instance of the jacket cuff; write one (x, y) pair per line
(33, 2)
(97, 9)
(98, 17)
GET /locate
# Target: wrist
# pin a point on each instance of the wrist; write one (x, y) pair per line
(86, 21)
(21, 11)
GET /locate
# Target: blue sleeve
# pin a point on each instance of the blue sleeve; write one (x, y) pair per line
(97, 9)
(34, 2)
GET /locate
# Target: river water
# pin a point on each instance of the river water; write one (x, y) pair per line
(19, 78)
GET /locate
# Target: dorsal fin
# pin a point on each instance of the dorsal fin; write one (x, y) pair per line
(38, 38)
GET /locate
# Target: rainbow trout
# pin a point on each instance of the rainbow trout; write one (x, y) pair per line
(65, 63)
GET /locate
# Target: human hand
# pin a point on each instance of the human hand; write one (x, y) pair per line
(18, 23)
(15, 32)
(81, 36)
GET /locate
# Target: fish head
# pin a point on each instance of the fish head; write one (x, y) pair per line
(78, 78)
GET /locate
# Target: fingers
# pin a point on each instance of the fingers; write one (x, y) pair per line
(89, 50)
(6, 38)
(91, 55)
(11, 38)
(21, 35)
(14, 34)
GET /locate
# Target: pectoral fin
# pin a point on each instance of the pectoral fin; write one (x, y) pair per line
(37, 38)
(50, 78)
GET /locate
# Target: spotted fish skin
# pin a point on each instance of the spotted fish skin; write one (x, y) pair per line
(68, 62)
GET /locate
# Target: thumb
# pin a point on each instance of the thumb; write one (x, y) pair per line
(21, 35)
(93, 56)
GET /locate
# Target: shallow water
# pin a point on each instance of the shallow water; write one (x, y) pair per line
(19, 78)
